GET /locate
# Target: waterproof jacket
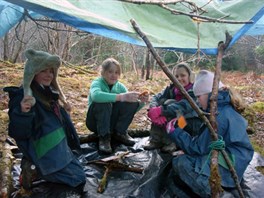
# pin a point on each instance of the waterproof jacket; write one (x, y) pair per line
(170, 111)
(42, 137)
(232, 128)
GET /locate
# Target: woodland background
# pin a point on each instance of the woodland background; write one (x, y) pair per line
(89, 50)
(82, 53)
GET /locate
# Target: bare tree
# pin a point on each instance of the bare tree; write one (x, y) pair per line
(20, 33)
(5, 43)
(147, 64)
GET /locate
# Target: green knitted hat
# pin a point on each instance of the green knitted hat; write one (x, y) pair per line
(36, 62)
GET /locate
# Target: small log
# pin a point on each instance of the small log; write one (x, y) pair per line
(92, 137)
(113, 163)
(103, 182)
(88, 138)
(6, 161)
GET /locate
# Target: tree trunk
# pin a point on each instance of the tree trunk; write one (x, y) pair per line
(66, 45)
(143, 66)
(19, 43)
(56, 42)
(6, 52)
(142, 71)
(147, 64)
(98, 51)
(133, 57)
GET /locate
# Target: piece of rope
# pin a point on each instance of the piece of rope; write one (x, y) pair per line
(215, 145)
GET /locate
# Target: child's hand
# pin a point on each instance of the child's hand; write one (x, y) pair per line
(144, 96)
(160, 121)
(174, 123)
(178, 153)
(154, 113)
(129, 97)
(26, 103)
(170, 127)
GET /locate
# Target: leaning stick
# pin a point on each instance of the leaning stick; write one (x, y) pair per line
(213, 104)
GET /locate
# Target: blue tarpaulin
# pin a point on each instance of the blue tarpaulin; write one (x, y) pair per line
(111, 18)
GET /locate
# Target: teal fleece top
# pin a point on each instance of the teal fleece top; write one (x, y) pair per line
(101, 93)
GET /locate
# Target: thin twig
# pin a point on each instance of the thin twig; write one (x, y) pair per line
(204, 18)
(84, 71)
(194, 8)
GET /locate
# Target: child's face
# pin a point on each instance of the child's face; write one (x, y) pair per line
(182, 76)
(45, 77)
(203, 101)
(111, 75)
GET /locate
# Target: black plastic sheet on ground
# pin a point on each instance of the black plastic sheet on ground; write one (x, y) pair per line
(155, 181)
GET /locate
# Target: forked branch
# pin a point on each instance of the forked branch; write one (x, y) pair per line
(195, 13)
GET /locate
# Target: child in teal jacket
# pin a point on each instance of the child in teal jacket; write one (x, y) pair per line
(111, 107)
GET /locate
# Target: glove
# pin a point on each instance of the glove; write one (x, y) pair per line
(154, 113)
(129, 97)
(170, 127)
(160, 121)
(174, 123)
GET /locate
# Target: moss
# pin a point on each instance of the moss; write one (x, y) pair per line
(241, 88)
(250, 116)
(260, 169)
(258, 107)
(215, 180)
(257, 148)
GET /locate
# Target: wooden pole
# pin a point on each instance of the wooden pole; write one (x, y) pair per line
(213, 106)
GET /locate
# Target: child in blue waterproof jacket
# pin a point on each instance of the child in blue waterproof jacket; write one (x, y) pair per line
(42, 127)
(193, 167)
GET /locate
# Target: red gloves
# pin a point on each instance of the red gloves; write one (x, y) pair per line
(160, 121)
(155, 115)
(154, 112)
